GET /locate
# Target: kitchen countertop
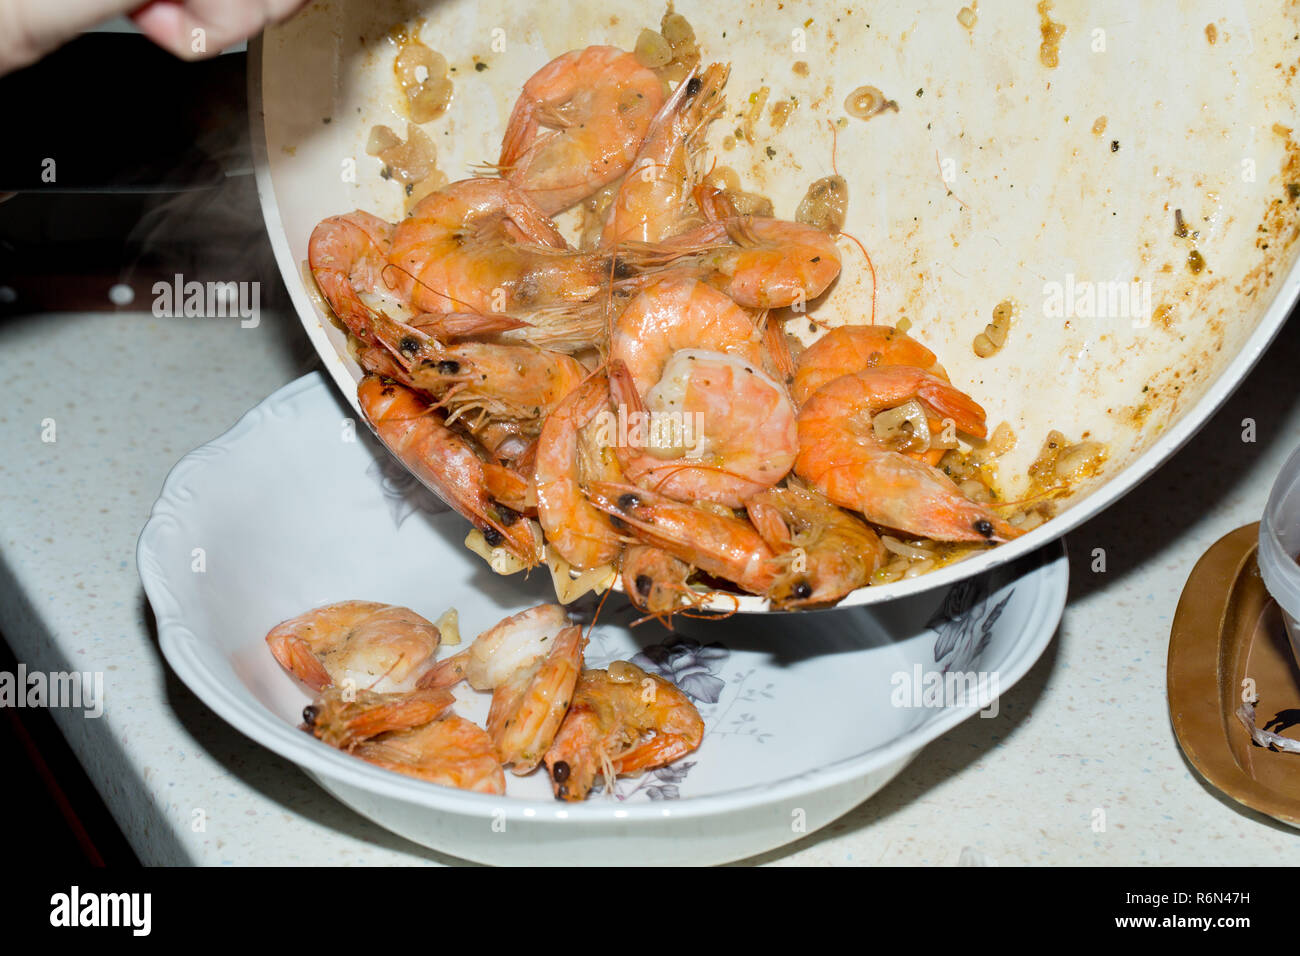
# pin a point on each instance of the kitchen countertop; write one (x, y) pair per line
(1086, 729)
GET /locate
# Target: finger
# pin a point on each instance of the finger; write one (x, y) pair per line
(199, 28)
(29, 29)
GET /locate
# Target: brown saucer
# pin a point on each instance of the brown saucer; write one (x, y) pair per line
(1228, 629)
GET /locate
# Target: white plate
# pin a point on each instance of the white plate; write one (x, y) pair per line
(990, 183)
(292, 508)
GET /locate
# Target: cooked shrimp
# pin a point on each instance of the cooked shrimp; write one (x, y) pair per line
(480, 245)
(374, 646)
(654, 198)
(621, 721)
(496, 655)
(675, 314)
(823, 552)
(343, 719)
(714, 203)
(530, 662)
(685, 356)
(528, 708)
(445, 462)
(578, 124)
(719, 545)
(347, 256)
(582, 535)
(452, 751)
(759, 263)
(655, 581)
(852, 348)
(511, 487)
(730, 429)
(780, 359)
(515, 383)
(840, 455)
(508, 442)
(570, 327)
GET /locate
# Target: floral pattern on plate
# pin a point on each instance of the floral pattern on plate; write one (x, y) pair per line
(964, 623)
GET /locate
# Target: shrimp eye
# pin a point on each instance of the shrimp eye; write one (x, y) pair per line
(492, 536)
(309, 715)
(409, 344)
(643, 585)
(628, 501)
(448, 368)
(984, 527)
(560, 772)
(803, 590)
(508, 516)
(621, 270)
(693, 85)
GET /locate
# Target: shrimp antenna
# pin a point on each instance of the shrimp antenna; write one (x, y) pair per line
(596, 616)
(835, 143)
(400, 658)
(674, 470)
(870, 265)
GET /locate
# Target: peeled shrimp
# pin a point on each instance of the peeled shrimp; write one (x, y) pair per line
(722, 546)
(528, 708)
(823, 552)
(498, 653)
(445, 462)
(840, 455)
(578, 124)
(621, 721)
(581, 534)
(530, 661)
(373, 646)
(452, 751)
(653, 199)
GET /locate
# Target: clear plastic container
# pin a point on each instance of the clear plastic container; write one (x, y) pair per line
(1279, 545)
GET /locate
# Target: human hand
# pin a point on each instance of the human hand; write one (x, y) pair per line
(191, 29)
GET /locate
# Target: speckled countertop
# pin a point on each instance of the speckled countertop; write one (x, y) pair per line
(1087, 728)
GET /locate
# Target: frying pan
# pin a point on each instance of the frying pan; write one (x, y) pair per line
(1129, 186)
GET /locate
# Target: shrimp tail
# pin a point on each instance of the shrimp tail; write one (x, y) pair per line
(295, 655)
